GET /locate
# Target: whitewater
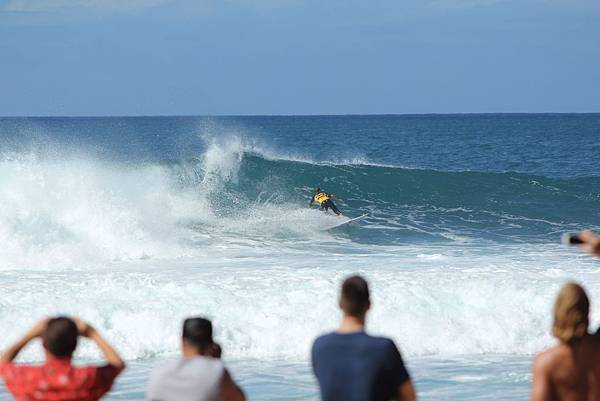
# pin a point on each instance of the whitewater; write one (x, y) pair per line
(135, 224)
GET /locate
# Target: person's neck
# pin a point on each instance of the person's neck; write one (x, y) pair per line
(50, 357)
(191, 353)
(576, 343)
(352, 324)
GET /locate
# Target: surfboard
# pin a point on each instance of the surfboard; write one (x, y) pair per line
(343, 223)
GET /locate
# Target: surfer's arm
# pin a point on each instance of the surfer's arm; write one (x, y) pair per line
(312, 200)
(12, 351)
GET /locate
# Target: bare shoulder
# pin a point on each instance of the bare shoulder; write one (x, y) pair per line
(545, 360)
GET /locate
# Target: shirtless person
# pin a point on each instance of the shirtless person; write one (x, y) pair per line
(569, 371)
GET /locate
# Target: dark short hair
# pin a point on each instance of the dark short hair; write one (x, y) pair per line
(355, 299)
(198, 332)
(60, 336)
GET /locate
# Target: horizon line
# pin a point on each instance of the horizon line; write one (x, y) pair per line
(301, 115)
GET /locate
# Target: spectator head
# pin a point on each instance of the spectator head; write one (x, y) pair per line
(354, 299)
(60, 337)
(571, 311)
(197, 335)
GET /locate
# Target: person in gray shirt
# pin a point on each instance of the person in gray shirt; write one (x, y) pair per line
(199, 375)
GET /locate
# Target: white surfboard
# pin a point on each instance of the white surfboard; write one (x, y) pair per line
(342, 223)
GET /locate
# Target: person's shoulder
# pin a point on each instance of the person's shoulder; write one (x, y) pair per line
(200, 363)
(385, 347)
(11, 368)
(384, 343)
(383, 340)
(545, 360)
(6, 366)
(164, 368)
(21, 366)
(325, 340)
(159, 376)
(204, 362)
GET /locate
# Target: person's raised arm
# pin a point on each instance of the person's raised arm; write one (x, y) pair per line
(591, 242)
(36, 331)
(111, 356)
(229, 390)
(406, 392)
(540, 384)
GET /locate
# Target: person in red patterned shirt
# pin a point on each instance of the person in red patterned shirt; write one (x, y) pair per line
(57, 379)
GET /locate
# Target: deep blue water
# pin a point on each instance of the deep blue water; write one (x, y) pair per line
(551, 145)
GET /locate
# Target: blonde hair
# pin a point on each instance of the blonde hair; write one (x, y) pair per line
(571, 311)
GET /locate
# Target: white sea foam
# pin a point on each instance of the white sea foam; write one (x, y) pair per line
(73, 212)
(271, 305)
(135, 249)
(239, 145)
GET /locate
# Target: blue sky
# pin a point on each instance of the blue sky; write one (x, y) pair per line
(206, 57)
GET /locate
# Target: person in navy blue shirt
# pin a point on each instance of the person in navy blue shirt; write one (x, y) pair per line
(351, 365)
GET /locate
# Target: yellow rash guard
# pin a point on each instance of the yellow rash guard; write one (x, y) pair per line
(321, 197)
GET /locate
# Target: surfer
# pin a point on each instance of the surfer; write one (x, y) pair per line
(325, 200)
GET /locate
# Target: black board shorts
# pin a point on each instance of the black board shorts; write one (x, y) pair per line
(328, 204)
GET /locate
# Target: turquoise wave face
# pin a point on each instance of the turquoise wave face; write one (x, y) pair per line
(408, 205)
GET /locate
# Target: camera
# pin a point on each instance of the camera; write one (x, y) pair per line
(571, 239)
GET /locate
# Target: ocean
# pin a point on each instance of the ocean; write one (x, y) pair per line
(134, 223)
